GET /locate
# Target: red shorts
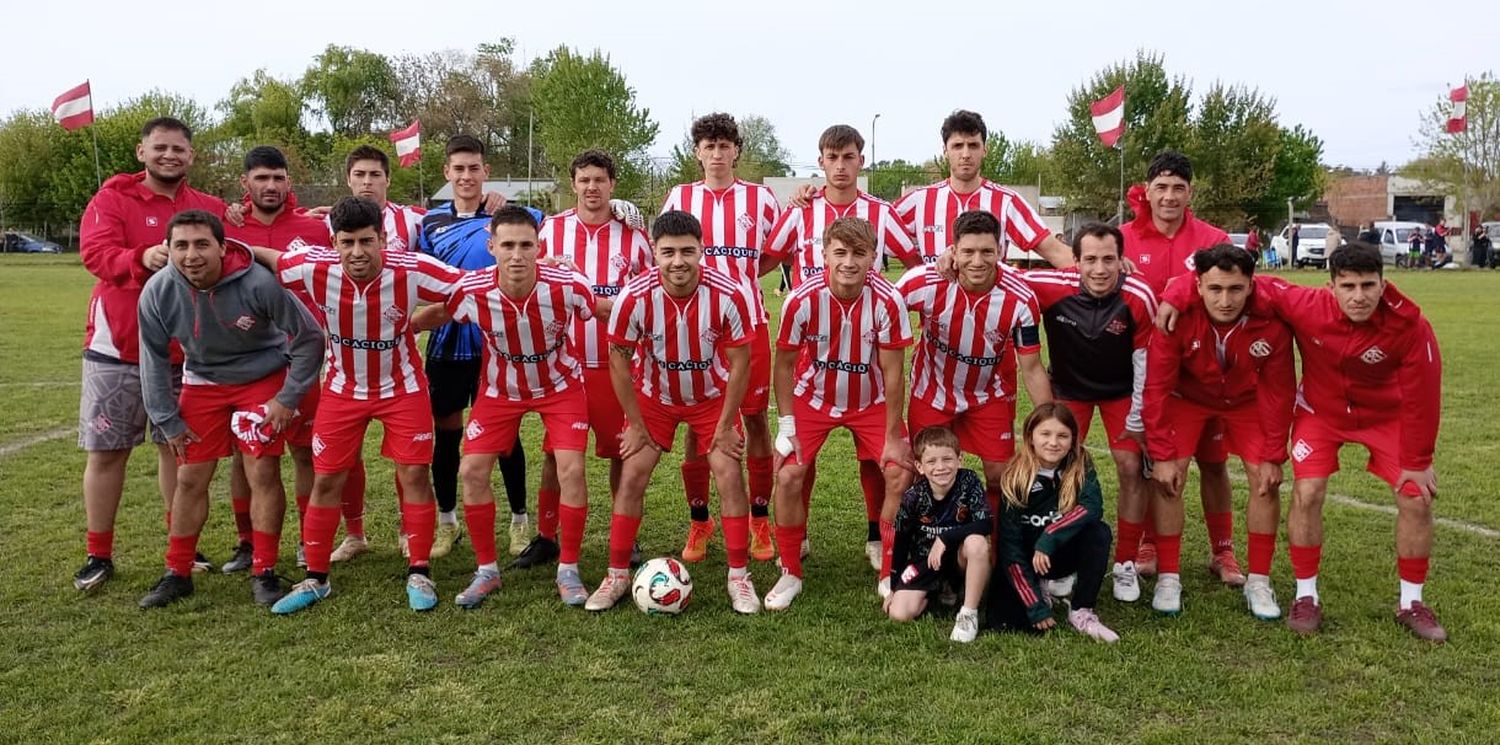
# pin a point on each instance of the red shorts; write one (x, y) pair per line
(339, 430)
(758, 395)
(867, 426)
(1236, 430)
(662, 420)
(300, 434)
(494, 422)
(207, 409)
(1114, 412)
(987, 431)
(1212, 445)
(1316, 443)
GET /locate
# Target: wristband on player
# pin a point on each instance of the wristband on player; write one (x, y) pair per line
(786, 429)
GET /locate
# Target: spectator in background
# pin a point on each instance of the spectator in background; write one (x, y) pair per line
(1479, 248)
(1414, 251)
(1252, 241)
(1368, 234)
(1437, 247)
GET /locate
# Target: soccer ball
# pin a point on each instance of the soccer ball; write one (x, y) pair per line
(662, 587)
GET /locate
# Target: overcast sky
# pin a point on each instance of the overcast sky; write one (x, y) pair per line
(1358, 74)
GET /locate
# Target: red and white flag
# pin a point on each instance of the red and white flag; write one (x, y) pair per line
(75, 108)
(1109, 117)
(408, 144)
(1458, 120)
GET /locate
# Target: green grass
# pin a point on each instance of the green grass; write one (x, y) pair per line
(362, 667)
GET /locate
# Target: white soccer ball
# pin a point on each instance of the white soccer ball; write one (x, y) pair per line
(662, 586)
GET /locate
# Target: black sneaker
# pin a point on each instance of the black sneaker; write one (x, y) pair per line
(95, 572)
(266, 588)
(242, 560)
(540, 552)
(201, 563)
(168, 589)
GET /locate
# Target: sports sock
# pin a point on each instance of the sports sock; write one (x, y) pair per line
(1220, 530)
(1129, 540)
(445, 459)
(872, 483)
(789, 546)
(1261, 552)
(547, 503)
(1413, 573)
(181, 550)
(513, 474)
(762, 481)
(420, 521)
(1169, 553)
(352, 500)
(622, 532)
(100, 543)
(1305, 561)
(573, 521)
(318, 528)
(481, 521)
(737, 540)
(887, 546)
(448, 518)
(242, 526)
(263, 553)
(695, 474)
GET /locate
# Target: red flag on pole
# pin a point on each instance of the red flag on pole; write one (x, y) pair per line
(1109, 117)
(408, 144)
(1458, 120)
(75, 108)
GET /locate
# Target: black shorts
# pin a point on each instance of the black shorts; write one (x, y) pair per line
(931, 582)
(453, 385)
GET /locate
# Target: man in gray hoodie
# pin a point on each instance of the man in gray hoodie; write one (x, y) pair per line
(252, 352)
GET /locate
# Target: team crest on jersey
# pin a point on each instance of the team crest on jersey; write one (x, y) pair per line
(393, 314)
(1373, 356)
(245, 322)
(994, 336)
(619, 262)
(396, 243)
(1300, 450)
(746, 222)
(1260, 348)
(872, 336)
(939, 326)
(318, 446)
(1188, 263)
(474, 430)
(1116, 326)
(1145, 259)
(710, 335)
(555, 329)
(151, 221)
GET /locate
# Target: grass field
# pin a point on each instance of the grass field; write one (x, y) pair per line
(361, 667)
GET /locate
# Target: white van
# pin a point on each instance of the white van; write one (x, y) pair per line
(1394, 235)
(1313, 244)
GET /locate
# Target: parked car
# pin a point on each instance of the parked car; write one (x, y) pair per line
(1239, 239)
(25, 243)
(1312, 243)
(1394, 237)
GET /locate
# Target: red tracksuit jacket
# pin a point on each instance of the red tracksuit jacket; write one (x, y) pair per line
(288, 226)
(1158, 258)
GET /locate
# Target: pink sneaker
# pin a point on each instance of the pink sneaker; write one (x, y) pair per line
(1422, 622)
(1306, 616)
(1086, 622)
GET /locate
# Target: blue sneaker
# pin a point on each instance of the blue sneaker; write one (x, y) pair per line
(482, 586)
(570, 587)
(302, 596)
(421, 592)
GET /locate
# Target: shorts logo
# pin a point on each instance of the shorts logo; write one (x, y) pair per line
(1373, 356)
(1005, 436)
(245, 323)
(151, 221)
(101, 424)
(579, 426)
(318, 446)
(1260, 348)
(1197, 345)
(745, 222)
(1300, 451)
(473, 431)
(1116, 327)
(393, 314)
(422, 437)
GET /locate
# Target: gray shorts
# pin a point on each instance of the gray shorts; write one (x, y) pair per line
(111, 412)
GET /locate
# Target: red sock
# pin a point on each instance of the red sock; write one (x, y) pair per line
(353, 501)
(318, 528)
(481, 521)
(762, 481)
(1412, 569)
(872, 482)
(736, 540)
(100, 543)
(695, 475)
(789, 546)
(573, 520)
(1305, 560)
(1262, 549)
(1129, 540)
(622, 532)
(181, 550)
(264, 549)
(887, 546)
(547, 503)
(1169, 554)
(420, 522)
(242, 524)
(1220, 530)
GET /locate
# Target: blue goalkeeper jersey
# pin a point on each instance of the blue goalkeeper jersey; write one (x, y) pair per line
(461, 242)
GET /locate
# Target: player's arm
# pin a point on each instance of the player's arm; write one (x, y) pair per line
(156, 373)
(621, 360)
(1143, 311)
(897, 240)
(1090, 507)
(970, 492)
(778, 248)
(783, 380)
(305, 350)
(266, 257)
(1034, 374)
(726, 438)
(102, 246)
(893, 371)
(1276, 397)
(1163, 366)
(1057, 253)
(901, 546)
(1420, 378)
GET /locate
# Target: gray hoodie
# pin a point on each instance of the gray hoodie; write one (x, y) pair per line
(235, 332)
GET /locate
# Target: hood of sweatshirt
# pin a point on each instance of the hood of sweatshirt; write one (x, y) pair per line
(237, 262)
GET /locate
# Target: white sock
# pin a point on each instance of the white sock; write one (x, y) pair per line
(518, 518)
(490, 568)
(561, 567)
(625, 573)
(1411, 592)
(1308, 588)
(738, 573)
(448, 518)
(1258, 578)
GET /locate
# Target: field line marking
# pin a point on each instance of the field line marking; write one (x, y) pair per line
(44, 384)
(36, 439)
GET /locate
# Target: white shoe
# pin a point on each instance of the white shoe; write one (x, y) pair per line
(1168, 597)
(784, 592)
(351, 547)
(1088, 624)
(1059, 588)
(965, 627)
(1127, 583)
(742, 595)
(883, 588)
(873, 553)
(1261, 599)
(616, 586)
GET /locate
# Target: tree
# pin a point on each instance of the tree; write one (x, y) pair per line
(1234, 145)
(1296, 174)
(1466, 164)
(889, 179)
(355, 90)
(1005, 162)
(762, 154)
(584, 102)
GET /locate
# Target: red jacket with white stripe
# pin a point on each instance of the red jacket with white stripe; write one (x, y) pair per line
(122, 221)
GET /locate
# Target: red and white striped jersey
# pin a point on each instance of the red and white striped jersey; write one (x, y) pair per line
(928, 213)
(798, 235)
(402, 225)
(526, 350)
(736, 223)
(966, 336)
(608, 255)
(372, 349)
(841, 342)
(678, 341)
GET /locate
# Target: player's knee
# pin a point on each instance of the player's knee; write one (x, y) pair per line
(977, 547)
(790, 477)
(903, 612)
(475, 473)
(1413, 508)
(1126, 461)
